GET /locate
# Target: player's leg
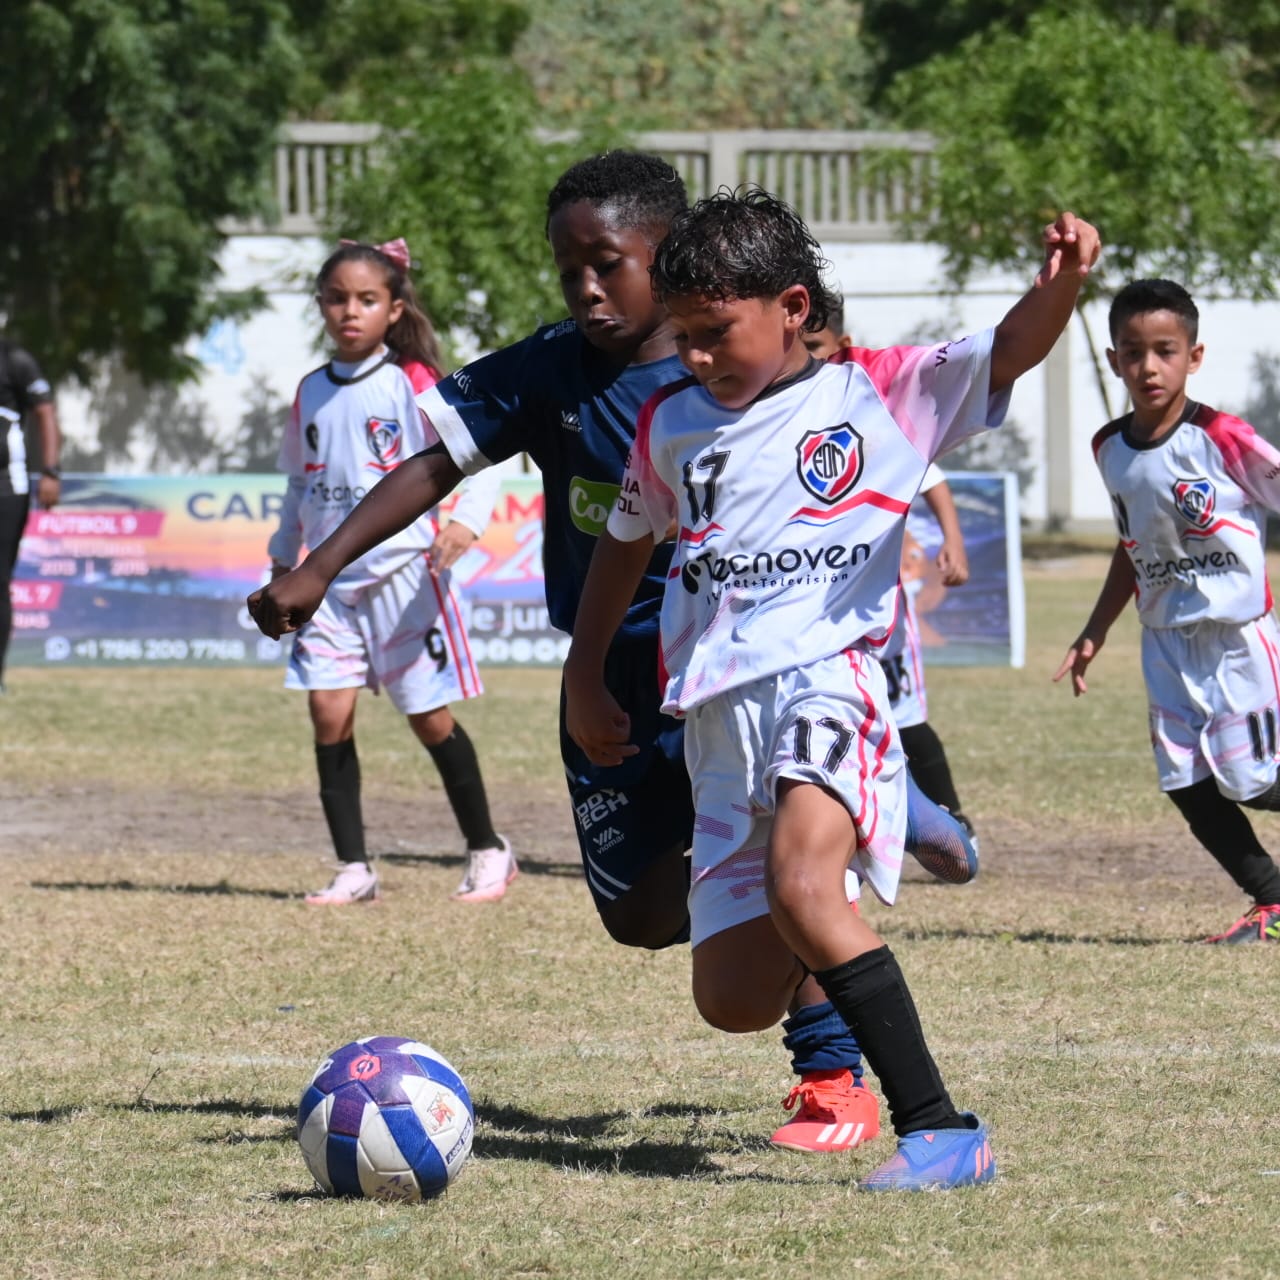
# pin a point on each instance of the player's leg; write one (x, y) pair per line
(1214, 728)
(939, 836)
(13, 519)
(420, 653)
(328, 661)
(927, 760)
(831, 807)
(333, 713)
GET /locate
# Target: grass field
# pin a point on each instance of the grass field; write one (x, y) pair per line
(166, 995)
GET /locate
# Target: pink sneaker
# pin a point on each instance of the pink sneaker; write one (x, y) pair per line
(488, 873)
(835, 1114)
(355, 882)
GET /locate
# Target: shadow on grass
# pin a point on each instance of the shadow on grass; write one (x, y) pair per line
(222, 889)
(581, 1143)
(211, 1106)
(1029, 935)
(528, 866)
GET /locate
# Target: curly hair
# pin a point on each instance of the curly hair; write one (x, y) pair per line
(1140, 296)
(642, 190)
(743, 243)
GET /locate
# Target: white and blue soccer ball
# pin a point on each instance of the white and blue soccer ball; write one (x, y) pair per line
(385, 1118)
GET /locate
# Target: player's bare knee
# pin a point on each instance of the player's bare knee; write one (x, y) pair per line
(638, 925)
(727, 1007)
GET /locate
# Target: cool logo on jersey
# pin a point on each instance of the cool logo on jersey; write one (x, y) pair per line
(790, 566)
(386, 438)
(830, 461)
(1195, 501)
(590, 502)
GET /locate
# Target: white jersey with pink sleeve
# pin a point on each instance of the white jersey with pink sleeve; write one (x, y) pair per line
(790, 512)
(351, 425)
(1191, 509)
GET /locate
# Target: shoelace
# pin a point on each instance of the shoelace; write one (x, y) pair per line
(809, 1094)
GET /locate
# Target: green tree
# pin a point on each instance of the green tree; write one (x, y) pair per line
(720, 64)
(907, 33)
(132, 127)
(463, 175)
(1145, 137)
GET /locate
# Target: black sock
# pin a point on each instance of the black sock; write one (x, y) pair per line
(928, 764)
(339, 769)
(870, 994)
(1224, 829)
(455, 757)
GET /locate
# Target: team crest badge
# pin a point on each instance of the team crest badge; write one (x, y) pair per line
(385, 439)
(830, 461)
(1194, 500)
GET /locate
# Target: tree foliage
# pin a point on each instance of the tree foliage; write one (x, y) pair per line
(132, 127)
(908, 33)
(1144, 136)
(463, 176)
(720, 64)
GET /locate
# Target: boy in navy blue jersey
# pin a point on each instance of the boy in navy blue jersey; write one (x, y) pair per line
(569, 396)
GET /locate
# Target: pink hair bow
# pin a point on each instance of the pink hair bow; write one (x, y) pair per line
(395, 249)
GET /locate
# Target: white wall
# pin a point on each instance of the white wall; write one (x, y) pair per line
(893, 292)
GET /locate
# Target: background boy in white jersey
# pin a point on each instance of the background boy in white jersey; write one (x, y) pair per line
(788, 481)
(1190, 488)
(903, 656)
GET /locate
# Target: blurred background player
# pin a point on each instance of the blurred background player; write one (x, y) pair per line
(903, 656)
(391, 618)
(1190, 488)
(785, 582)
(568, 395)
(23, 390)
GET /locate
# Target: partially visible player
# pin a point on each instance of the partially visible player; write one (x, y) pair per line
(1190, 488)
(23, 389)
(789, 481)
(568, 395)
(391, 618)
(903, 656)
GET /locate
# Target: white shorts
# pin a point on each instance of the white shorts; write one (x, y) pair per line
(827, 723)
(1214, 695)
(904, 671)
(404, 634)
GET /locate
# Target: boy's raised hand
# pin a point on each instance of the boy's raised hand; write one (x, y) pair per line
(1070, 245)
(1077, 660)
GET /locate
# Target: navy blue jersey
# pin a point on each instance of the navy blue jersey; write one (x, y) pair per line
(573, 410)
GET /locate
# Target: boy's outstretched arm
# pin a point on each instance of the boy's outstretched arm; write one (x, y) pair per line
(1027, 334)
(414, 487)
(1117, 591)
(593, 717)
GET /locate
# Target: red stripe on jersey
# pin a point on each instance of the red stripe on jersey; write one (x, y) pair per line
(867, 497)
(421, 376)
(1272, 656)
(868, 773)
(1101, 437)
(456, 637)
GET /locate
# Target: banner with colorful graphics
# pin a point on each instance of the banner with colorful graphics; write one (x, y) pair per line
(984, 621)
(155, 569)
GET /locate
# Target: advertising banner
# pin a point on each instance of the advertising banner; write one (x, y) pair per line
(155, 569)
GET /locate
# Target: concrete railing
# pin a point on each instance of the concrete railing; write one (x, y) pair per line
(836, 179)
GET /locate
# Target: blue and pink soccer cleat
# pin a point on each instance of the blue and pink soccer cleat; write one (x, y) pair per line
(936, 1159)
(937, 841)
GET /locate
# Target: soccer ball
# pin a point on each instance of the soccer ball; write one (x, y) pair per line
(386, 1118)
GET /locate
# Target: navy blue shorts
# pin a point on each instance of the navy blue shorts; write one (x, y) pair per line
(629, 815)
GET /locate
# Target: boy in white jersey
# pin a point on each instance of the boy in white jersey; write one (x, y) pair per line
(787, 481)
(1190, 488)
